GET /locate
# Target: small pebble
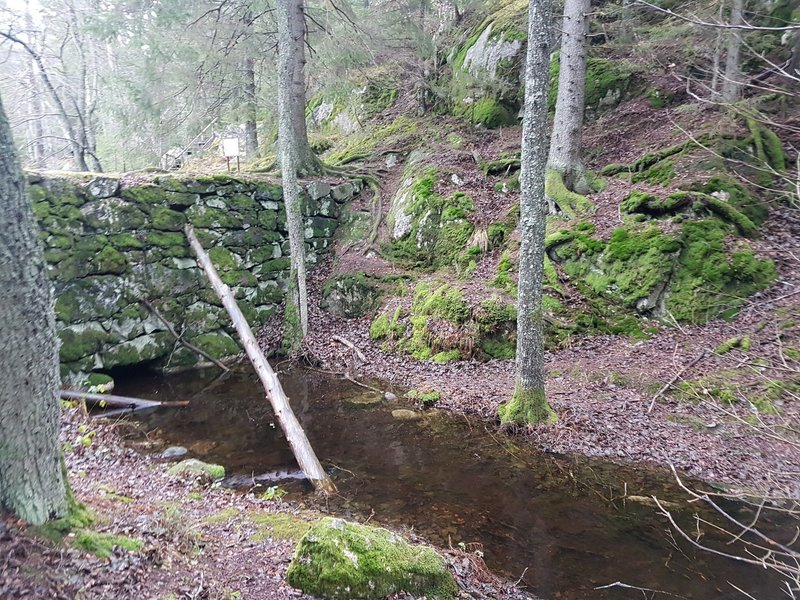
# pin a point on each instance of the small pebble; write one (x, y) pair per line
(390, 396)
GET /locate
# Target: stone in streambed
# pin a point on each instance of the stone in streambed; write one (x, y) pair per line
(174, 452)
(403, 414)
(366, 400)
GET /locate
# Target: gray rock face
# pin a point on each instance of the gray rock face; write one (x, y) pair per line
(487, 52)
(103, 187)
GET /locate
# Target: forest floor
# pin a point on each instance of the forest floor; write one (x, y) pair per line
(197, 540)
(603, 387)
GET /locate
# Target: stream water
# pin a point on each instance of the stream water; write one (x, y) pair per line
(561, 524)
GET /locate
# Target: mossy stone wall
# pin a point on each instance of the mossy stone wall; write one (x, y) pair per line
(112, 243)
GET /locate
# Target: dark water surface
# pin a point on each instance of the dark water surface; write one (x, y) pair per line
(561, 524)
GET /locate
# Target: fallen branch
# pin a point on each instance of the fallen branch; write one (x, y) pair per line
(672, 381)
(179, 338)
(349, 344)
(298, 442)
(126, 402)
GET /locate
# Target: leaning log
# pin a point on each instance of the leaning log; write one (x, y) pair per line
(298, 442)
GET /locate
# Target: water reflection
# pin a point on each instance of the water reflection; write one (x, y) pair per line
(561, 524)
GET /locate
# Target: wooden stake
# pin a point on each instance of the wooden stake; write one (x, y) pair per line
(295, 435)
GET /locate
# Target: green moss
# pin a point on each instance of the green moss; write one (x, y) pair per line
(487, 112)
(363, 144)
(79, 341)
(570, 203)
(741, 342)
(165, 219)
(768, 149)
(736, 194)
(709, 279)
(103, 545)
(383, 327)
(660, 173)
(223, 259)
(444, 301)
(441, 358)
(192, 466)
(526, 407)
(502, 349)
(223, 516)
(144, 194)
(218, 345)
(278, 526)
(439, 230)
(109, 260)
(607, 82)
(337, 559)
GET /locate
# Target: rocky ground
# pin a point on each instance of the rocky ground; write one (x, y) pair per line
(196, 540)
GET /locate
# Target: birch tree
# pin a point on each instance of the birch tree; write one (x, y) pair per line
(31, 481)
(565, 143)
(529, 404)
(296, 312)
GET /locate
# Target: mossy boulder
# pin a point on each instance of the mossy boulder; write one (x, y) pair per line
(608, 82)
(350, 295)
(428, 231)
(194, 467)
(339, 560)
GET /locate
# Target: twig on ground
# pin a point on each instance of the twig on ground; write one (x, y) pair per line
(672, 381)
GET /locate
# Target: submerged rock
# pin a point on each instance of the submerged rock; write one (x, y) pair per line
(174, 452)
(365, 400)
(342, 560)
(403, 414)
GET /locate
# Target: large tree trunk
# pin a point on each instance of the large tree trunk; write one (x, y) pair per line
(31, 481)
(733, 76)
(292, 45)
(250, 131)
(529, 404)
(296, 312)
(565, 144)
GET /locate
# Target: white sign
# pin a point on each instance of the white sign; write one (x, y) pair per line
(230, 147)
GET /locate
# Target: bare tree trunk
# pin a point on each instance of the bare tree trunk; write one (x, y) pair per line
(292, 38)
(732, 84)
(296, 311)
(717, 55)
(565, 144)
(529, 404)
(31, 481)
(626, 33)
(250, 132)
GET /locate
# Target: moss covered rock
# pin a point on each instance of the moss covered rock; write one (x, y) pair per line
(350, 295)
(192, 466)
(341, 560)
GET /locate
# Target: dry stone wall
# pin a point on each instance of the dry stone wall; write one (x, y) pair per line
(112, 243)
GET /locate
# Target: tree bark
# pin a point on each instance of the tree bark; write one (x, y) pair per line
(250, 131)
(292, 61)
(733, 76)
(565, 144)
(301, 447)
(31, 481)
(529, 405)
(289, 142)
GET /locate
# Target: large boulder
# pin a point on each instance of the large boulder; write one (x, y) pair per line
(342, 560)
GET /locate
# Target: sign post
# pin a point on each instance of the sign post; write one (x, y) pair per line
(230, 149)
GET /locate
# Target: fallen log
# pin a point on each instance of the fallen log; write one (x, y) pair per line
(125, 402)
(298, 442)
